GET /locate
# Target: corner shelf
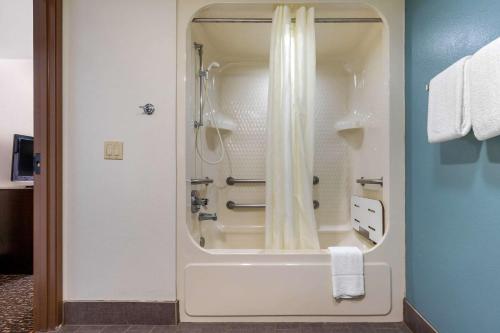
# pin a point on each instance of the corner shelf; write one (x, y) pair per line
(348, 124)
(224, 122)
(354, 120)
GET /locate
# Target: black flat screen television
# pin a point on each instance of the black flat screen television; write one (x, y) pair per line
(22, 158)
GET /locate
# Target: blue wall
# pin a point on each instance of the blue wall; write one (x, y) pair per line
(453, 189)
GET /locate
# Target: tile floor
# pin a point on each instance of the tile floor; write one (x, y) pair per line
(247, 328)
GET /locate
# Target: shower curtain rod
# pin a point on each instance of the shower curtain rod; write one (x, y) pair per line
(269, 20)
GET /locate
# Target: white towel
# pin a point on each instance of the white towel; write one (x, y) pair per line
(448, 114)
(347, 272)
(485, 91)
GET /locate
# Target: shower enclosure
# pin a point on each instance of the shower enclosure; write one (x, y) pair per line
(224, 271)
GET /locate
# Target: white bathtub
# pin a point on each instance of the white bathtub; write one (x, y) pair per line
(270, 285)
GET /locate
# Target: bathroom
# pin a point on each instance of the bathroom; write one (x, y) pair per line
(265, 166)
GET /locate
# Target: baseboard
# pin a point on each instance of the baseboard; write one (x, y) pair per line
(121, 313)
(415, 321)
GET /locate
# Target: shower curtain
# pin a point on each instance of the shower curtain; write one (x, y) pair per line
(290, 222)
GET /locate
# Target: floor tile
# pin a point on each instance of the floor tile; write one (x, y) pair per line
(68, 329)
(90, 329)
(361, 328)
(165, 329)
(337, 328)
(115, 328)
(244, 328)
(140, 329)
(189, 328)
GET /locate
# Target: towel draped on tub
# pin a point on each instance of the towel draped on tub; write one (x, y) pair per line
(347, 272)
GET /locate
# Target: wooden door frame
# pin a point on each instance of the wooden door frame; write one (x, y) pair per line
(47, 227)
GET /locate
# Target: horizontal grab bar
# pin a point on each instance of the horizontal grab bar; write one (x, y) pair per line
(234, 205)
(374, 181)
(201, 181)
(234, 181)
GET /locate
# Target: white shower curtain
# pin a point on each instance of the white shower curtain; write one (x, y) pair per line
(290, 222)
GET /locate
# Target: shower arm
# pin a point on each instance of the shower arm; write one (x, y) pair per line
(201, 74)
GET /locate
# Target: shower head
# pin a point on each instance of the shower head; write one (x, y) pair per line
(212, 65)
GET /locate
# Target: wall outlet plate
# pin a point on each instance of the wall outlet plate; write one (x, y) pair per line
(113, 150)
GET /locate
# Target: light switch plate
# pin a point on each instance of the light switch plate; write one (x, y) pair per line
(113, 150)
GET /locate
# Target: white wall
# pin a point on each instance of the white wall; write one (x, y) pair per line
(16, 79)
(16, 29)
(16, 111)
(119, 216)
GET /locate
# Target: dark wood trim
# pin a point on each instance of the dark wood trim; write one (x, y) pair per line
(415, 321)
(120, 313)
(47, 67)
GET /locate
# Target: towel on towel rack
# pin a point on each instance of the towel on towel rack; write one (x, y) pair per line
(485, 91)
(347, 272)
(448, 114)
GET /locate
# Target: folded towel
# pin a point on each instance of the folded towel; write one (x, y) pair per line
(347, 272)
(448, 115)
(485, 91)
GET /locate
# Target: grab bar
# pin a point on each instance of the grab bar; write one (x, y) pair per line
(234, 181)
(201, 181)
(374, 181)
(234, 205)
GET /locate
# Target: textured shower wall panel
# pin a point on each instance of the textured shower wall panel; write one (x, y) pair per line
(370, 159)
(243, 90)
(331, 157)
(242, 95)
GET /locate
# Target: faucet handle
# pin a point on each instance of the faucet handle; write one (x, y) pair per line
(197, 201)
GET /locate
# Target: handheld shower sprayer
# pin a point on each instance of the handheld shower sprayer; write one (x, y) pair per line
(205, 101)
(214, 64)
